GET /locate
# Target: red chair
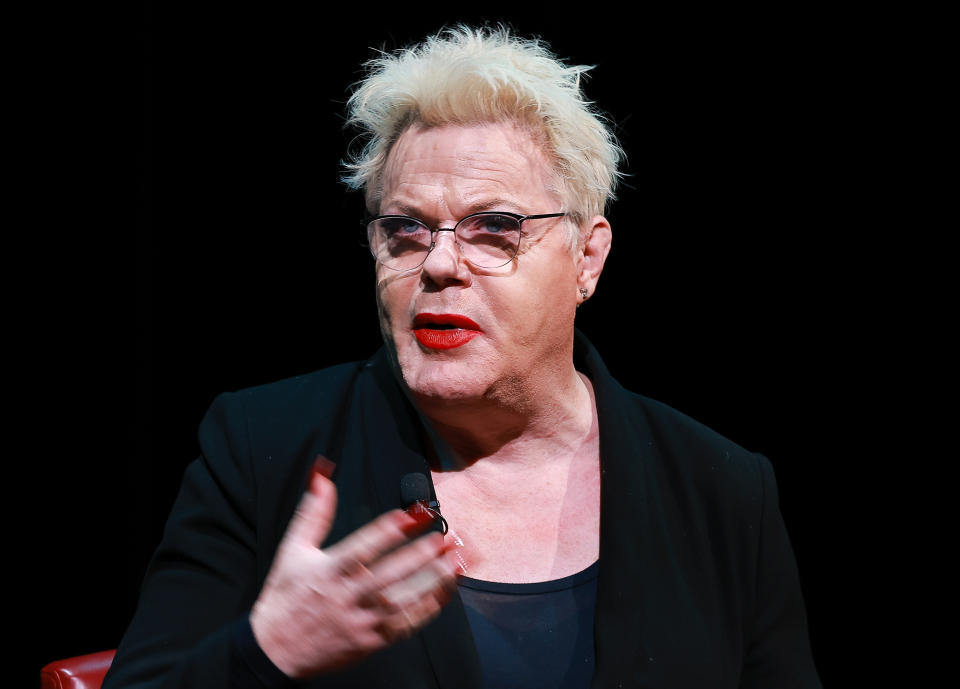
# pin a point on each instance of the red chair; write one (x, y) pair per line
(81, 672)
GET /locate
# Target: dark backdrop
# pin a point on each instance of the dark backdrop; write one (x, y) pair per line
(214, 249)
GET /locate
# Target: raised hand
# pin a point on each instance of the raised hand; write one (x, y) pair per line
(322, 610)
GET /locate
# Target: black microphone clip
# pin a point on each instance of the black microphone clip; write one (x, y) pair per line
(415, 490)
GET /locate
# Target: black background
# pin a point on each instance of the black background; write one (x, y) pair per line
(201, 242)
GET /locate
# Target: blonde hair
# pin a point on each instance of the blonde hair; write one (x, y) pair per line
(464, 75)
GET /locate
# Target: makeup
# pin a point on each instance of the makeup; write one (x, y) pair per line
(444, 330)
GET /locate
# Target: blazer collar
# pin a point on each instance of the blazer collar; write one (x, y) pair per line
(396, 443)
(624, 505)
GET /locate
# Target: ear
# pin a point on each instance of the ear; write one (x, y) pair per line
(593, 254)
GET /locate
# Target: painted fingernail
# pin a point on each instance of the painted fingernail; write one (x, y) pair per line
(323, 466)
(419, 512)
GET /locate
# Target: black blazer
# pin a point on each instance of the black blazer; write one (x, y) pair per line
(697, 582)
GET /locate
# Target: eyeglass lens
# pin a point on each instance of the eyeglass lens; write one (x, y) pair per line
(488, 240)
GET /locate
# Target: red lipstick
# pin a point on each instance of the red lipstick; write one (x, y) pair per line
(444, 330)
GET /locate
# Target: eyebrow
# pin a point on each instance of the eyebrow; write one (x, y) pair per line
(479, 207)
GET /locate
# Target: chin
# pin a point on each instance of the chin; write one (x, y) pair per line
(442, 380)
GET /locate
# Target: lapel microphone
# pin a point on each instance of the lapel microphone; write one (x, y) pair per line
(415, 495)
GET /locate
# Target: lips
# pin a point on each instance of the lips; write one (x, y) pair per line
(444, 330)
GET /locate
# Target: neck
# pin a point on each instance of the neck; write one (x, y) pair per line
(512, 426)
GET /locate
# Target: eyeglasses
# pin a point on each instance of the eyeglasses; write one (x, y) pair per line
(487, 240)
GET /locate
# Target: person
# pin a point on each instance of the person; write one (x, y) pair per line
(485, 505)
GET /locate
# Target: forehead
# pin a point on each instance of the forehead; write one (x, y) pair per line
(461, 169)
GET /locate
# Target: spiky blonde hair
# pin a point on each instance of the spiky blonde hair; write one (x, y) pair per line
(465, 75)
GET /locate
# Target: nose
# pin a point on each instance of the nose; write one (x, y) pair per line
(445, 264)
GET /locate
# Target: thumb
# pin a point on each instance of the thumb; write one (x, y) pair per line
(314, 515)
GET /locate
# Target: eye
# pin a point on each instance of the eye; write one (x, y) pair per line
(391, 227)
(491, 223)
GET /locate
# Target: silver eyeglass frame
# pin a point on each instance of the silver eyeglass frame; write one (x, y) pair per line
(520, 218)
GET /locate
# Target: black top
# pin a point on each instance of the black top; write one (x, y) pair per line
(533, 636)
(697, 584)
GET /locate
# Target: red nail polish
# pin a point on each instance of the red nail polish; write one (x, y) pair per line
(323, 466)
(419, 512)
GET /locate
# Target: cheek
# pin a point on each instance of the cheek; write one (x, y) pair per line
(395, 296)
(551, 295)
(387, 308)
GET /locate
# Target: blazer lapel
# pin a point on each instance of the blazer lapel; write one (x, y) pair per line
(620, 583)
(394, 441)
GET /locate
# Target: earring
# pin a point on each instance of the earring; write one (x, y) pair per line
(583, 295)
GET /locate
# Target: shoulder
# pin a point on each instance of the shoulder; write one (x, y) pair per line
(306, 398)
(304, 392)
(259, 443)
(682, 435)
(682, 459)
(645, 440)
(282, 420)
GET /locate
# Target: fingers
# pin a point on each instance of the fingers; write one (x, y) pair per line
(418, 595)
(408, 620)
(371, 541)
(408, 586)
(322, 609)
(415, 571)
(314, 515)
(417, 599)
